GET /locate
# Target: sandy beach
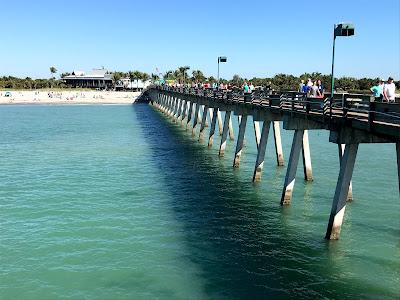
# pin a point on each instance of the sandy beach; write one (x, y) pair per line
(67, 97)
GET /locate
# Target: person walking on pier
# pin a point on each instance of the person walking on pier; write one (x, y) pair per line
(321, 89)
(314, 90)
(389, 90)
(301, 86)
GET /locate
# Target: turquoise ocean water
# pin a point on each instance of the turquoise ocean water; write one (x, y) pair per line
(117, 202)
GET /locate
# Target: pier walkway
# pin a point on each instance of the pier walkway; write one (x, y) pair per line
(350, 119)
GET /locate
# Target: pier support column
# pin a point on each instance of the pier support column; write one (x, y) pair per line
(181, 111)
(212, 128)
(261, 151)
(278, 144)
(162, 103)
(231, 134)
(341, 148)
(199, 114)
(341, 192)
(169, 101)
(221, 129)
(398, 162)
(176, 110)
(307, 168)
(203, 123)
(189, 118)
(257, 132)
(180, 108)
(292, 167)
(185, 111)
(224, 133)
(240, 140)
(195, 118)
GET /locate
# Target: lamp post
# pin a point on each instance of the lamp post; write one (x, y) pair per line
(221, 59)
(341, 29)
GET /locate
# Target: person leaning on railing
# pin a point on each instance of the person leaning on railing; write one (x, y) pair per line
(377, 90)
(389, 90)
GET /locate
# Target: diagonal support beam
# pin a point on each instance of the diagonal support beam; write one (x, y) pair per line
(203, 123)
(240, 141)
(292, 167)
(278, 144)
(341, 148)
(341, 192)
(261, 151)
(225, 130)
(257, 132)
(307, 168)
(213, 125)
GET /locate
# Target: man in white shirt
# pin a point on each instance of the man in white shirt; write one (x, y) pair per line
(389, 90)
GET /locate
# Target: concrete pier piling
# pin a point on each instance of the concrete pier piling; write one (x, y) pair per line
(257, 132)
(307, 168)
(261, 151)
(231, 134)
(240, 140)
(180, 109)
(341, 148)
(184, 108)
(341, 192)
(203, 123)
(213, 125)
(220, 127)
(292, 167)
(189, 118)
(184, 112)
(224, 133)
(195, 118)
(278, 144)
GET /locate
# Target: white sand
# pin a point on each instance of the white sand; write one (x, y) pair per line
(68, 97)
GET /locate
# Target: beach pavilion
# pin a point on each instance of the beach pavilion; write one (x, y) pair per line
(98, 78)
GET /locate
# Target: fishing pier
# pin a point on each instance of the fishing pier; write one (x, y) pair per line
(350, 119)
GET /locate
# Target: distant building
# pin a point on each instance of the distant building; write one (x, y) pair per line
(128, 84)
(98, 78)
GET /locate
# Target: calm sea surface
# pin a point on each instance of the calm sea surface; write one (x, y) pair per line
(117, 202)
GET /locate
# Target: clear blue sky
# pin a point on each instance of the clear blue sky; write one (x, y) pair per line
(260, 38)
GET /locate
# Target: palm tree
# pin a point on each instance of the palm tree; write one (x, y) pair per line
(198, 76)
(131, 78)
(53, 70)
(116, 76)
(137, 75)
(145, 77)
(169, 75)
(154, 77)
(183, 72)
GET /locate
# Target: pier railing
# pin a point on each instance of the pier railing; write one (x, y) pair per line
(362, 109)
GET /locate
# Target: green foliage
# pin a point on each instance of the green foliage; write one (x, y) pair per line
(279, 82)
(10, 82)
(64, 74)
(198, 76)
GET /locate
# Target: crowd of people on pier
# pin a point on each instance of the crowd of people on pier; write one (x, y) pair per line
(313, 89)
(384, 91)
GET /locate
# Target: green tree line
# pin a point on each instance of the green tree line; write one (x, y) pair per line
(182, 75)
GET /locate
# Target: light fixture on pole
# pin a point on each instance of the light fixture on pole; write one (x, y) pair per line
(341, 29)
(221, 59)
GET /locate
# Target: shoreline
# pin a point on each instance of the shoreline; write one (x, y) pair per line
(56, 97)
